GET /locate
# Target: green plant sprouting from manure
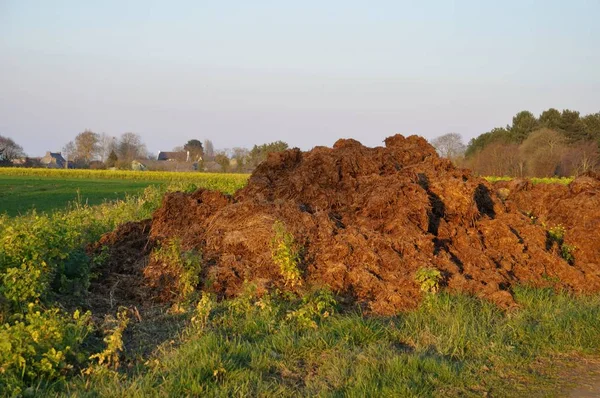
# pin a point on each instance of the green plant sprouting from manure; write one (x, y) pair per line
(429, 279)
(315, 306)
(114, 329)
(186, 264)
(566, 252)
(556, 235)
(286, 255)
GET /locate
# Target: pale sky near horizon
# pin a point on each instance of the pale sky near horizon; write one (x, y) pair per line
(243, 73)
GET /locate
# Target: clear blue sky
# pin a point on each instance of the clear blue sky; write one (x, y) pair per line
(306, 72)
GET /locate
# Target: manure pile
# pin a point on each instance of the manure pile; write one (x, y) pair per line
(365, 220)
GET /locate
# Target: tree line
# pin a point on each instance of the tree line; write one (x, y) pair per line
(553, 144)
(93, 150)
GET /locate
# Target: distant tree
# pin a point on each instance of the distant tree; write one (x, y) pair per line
(571, 124)
(240, 155)
(496, 159)
(112, 159)
(542, 152)
(195, 148)
(449, 146)
(260, 152)
(580, 158)
(523, 124)
(69, 152)
(223, 160)
(550, 119)
(130, 147)
(9, 150)
(591, 124)
(209, 150)
(477, 144)
(87, 146)
(106, 144)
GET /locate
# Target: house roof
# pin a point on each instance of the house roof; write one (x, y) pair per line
(179, 156)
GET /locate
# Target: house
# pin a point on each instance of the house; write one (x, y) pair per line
(182, 156)
(53, 160)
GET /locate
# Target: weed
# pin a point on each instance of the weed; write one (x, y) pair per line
(429, 279)
(114, 329)
(566, 252)
(185, 264)
(286, 255)
(315, 307)
(557, 234)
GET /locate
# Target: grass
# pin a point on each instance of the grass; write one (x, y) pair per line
(45, 190)
(20, 194)
(535, 180)
(453, 345)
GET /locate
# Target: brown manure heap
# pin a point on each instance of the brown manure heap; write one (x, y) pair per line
(364, 221)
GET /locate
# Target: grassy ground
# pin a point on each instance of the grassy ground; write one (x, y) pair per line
(19, 194)
(45, 190)
(453, 345)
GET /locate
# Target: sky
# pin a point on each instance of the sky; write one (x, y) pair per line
(306, 72)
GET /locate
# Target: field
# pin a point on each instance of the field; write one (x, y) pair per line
(46, 190)
(98, 319)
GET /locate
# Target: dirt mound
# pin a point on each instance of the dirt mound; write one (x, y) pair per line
(364, 221)
(575, 207)
(120, 257)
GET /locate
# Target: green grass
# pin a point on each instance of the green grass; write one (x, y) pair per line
(535, 180)
(20, 194)
(453, 345)
(22, 190)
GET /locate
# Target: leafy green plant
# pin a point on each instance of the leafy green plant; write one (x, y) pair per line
(314, 307)
(286, 255)
(557, 234)
(429, 279)
(566, 252)
(114, 328)
(40, 344)
(186, 265)
(203, 309)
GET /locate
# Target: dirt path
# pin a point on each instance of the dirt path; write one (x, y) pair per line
(582, 380)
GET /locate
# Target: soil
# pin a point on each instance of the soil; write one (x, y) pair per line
(364, 221)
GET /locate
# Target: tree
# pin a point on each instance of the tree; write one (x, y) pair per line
(477, 144)
(550, 119)
(9, 150)
(195, 148)
(107, 144)
(130, 147)
(260, 152)
(209, 149)
(523, 124)
(112, 159)
(223, 160)
(69, 152)
(581, 158)
(240, 155)
(449, 146)
(591, 124)
(497, 159)
(87, 146)
(542, 152)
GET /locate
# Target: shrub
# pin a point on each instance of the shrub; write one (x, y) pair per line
(286, 255)
(185, 265)
(40, 345)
